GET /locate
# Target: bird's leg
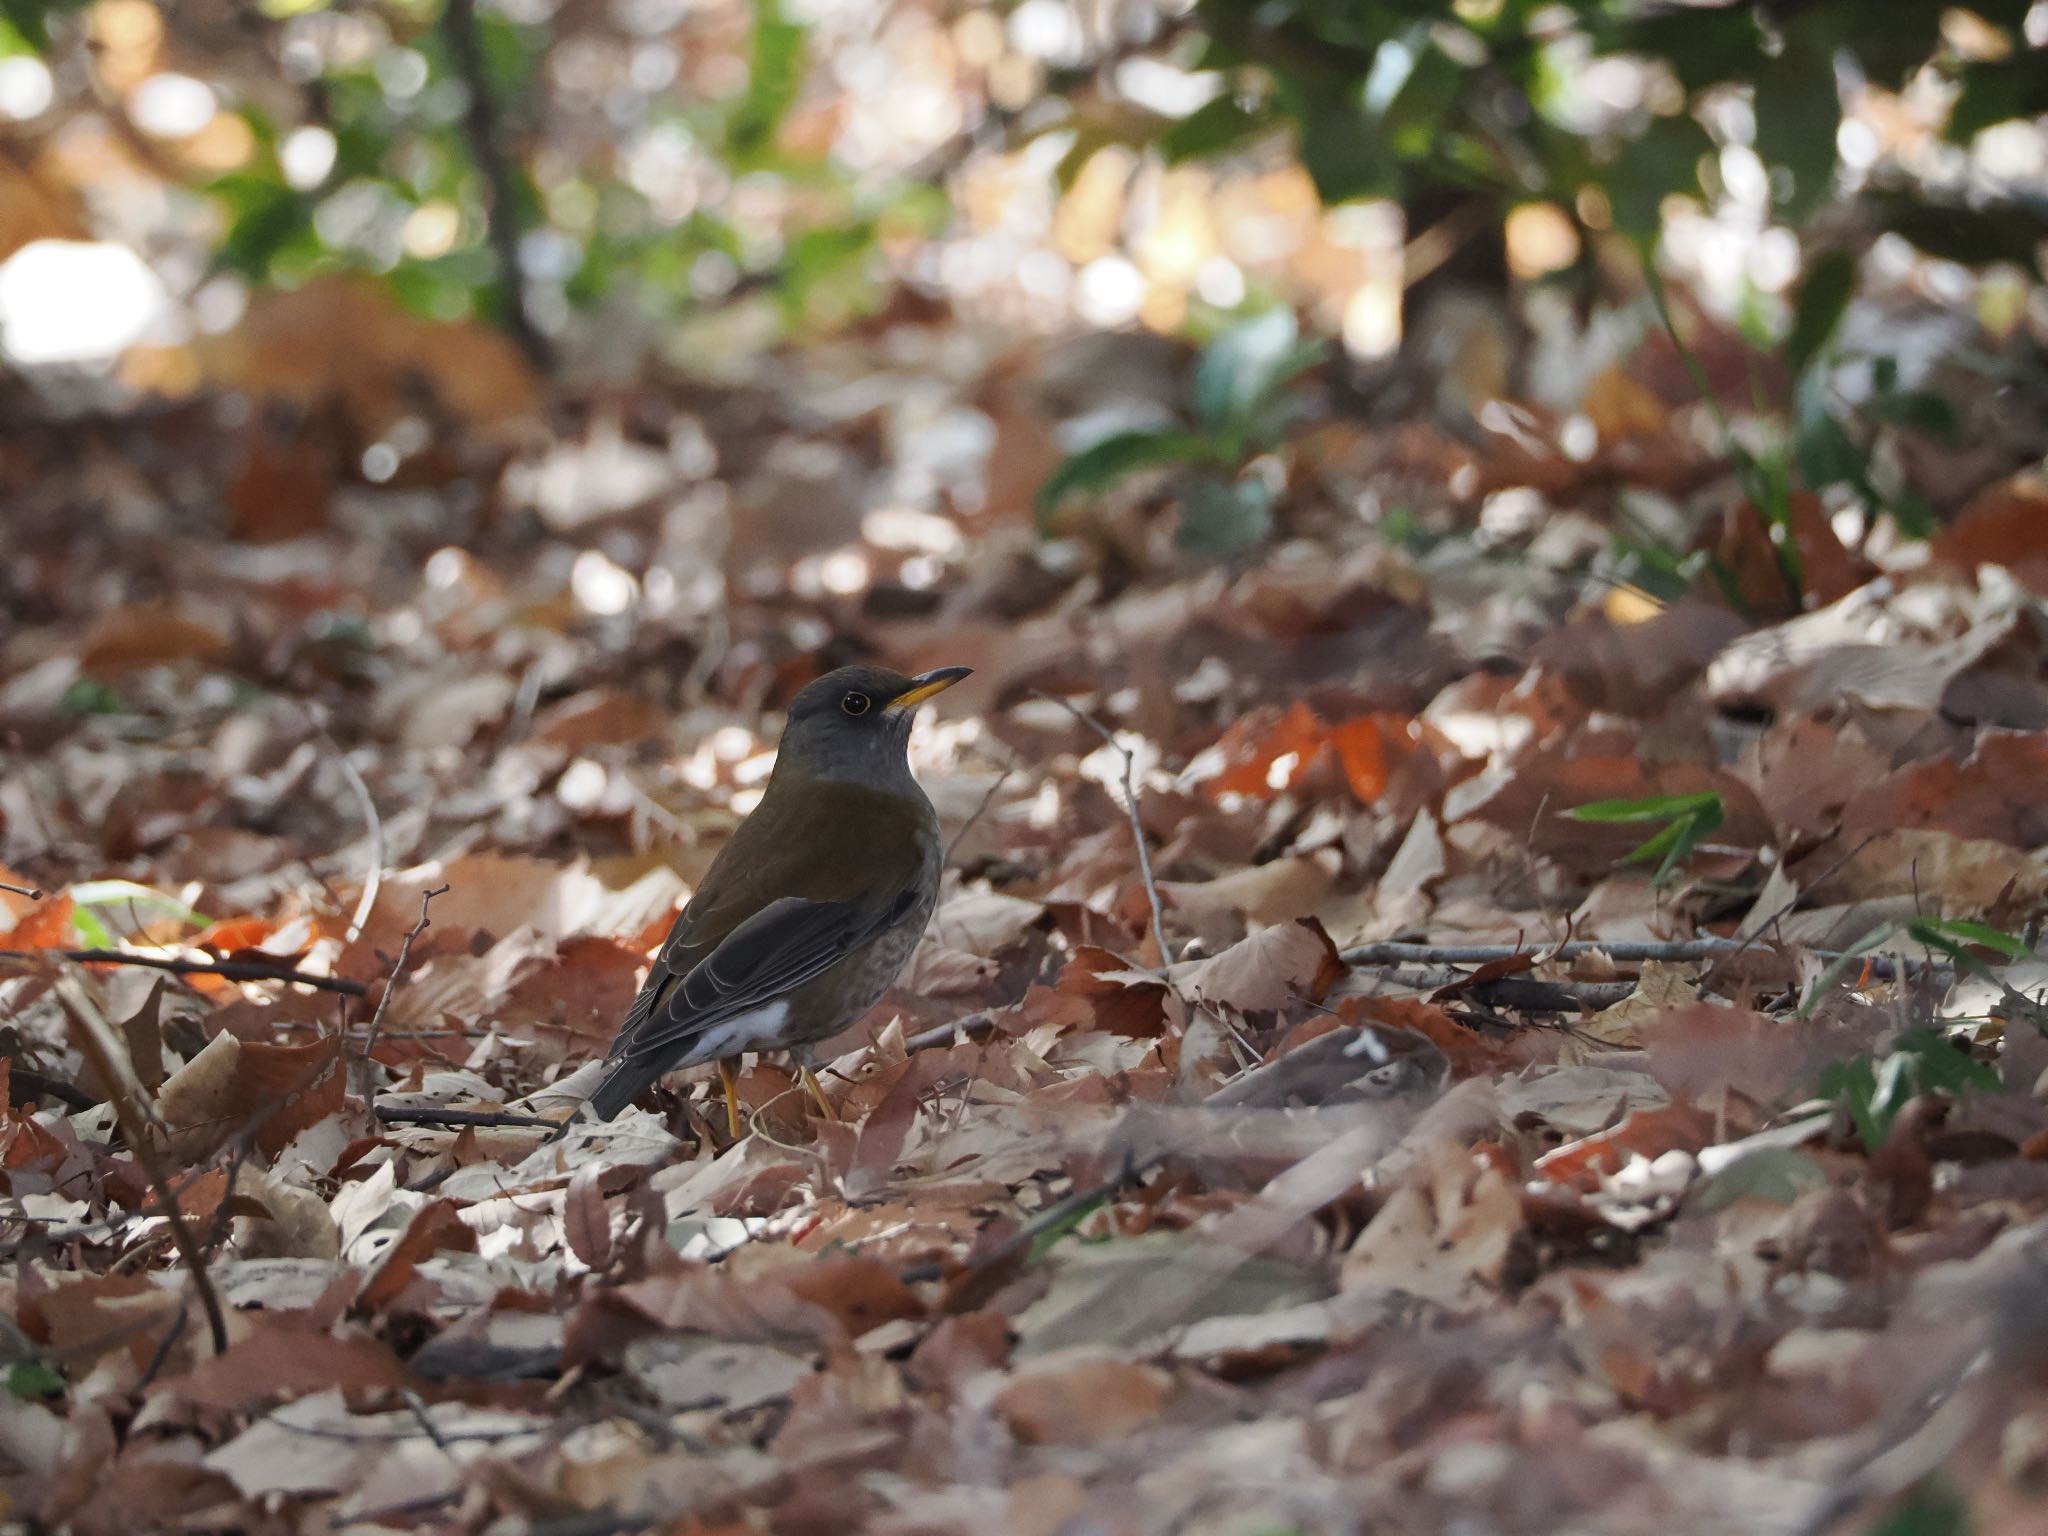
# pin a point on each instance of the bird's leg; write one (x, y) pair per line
(817, 1094)
(732, 1099)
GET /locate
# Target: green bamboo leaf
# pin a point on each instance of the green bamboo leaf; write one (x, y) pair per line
(1103, 464)
(1650, 808)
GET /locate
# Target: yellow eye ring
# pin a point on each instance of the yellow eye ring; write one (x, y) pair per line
(856, 703)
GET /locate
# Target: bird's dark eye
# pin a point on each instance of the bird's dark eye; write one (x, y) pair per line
(856, 703)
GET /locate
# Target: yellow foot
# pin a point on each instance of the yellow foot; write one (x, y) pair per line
(732, 1099)
(817, 1094)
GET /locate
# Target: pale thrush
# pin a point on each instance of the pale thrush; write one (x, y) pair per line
(806, 916)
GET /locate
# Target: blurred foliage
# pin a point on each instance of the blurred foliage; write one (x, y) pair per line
(675, 168)
(1393, 98)
(1398, 99)
(1682, 821)
(1240, 405)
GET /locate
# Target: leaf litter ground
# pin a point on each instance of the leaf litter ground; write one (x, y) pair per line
(1251, 1236)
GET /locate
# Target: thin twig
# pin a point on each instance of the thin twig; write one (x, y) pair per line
(1673, 951)
(979, 811)
(367, 902)
(480, 127)
(1131, 810)
(946, 1034)
(1066, 1209)
(95, 1039)
(430, 1114)
(361, 1068)
(21, 890)
(232, 970)
(1785, 909)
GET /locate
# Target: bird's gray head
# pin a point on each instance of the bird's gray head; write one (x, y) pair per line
(852, 725)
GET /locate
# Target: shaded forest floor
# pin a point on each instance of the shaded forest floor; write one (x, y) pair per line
(1274, 1233)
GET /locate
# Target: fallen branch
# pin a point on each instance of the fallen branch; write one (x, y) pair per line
(430, 1114)
(1130, 810)
(232, 970)
(1672, 951)
(946, 1034)
(360, 1068)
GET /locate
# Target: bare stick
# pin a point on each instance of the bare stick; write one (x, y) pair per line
(22, 890)
(232, 970)
(987, 800)
(1677, 950)
(1130, 810)
(95, 1037)
(946, 1034)
(480, 127)
(428, 1114)
(367, 902)
(361, 1067)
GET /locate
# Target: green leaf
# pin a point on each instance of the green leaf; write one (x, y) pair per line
(775, 75)
(1687, 818)
(1102, 465)
(1214, 128)
(1663, 162)
(1817, 310)
(1703, 45)
(1946, 933)
(1798, 111)
(1651, 808)
(32, 1379)
(1922, 1061)
(1245, 367)
(1221, 518)
(1921, 409)
(1853, 1084)
(1043, 1242)
(126, 894)
(1931, 1508)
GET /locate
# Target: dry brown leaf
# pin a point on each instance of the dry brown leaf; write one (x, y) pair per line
(1082, 1403)
(1269, 972)
(233, 1085)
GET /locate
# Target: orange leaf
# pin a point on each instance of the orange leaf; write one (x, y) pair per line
(1584, 1163)
(47, 926)
(146, 635)
(1252, 746)
(1362, 749)
(433, 1228)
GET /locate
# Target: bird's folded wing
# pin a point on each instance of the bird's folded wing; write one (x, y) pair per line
(766, 957)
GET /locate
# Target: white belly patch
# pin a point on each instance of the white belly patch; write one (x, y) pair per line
(745, 1032)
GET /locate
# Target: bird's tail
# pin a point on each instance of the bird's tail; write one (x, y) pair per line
(620, 1087)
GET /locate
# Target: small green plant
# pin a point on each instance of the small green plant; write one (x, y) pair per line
(1931, 1508)
(1955, 937)
(1685, 820)
(32, 1380)
(1922, 1061)
(1240, 405)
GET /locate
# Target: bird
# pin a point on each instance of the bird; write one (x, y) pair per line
(807, 914)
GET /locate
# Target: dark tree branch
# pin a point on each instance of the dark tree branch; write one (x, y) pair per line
(482, 129)
(430, 1114)
(232, 970)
